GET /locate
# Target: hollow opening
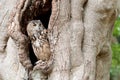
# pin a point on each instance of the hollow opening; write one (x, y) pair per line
(36, 10)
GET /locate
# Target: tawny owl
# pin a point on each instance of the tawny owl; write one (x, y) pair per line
(38, 37)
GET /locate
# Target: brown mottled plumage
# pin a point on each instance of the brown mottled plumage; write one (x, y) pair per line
(38, 37)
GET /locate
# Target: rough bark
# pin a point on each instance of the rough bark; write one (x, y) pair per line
(79, 33)
(93, 44)
(9, 63)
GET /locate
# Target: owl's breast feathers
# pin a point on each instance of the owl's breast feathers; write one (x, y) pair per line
(42, 52)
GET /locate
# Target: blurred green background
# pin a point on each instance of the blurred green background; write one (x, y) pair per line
(115, 68)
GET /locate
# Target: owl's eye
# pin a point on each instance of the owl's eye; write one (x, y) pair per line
(40, 24)
(34, 24)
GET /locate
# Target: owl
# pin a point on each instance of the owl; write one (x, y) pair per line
(38, 37)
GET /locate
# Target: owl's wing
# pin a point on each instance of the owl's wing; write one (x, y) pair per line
(46, 50)
(37, 51)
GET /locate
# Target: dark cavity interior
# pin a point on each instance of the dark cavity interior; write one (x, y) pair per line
(36, 10)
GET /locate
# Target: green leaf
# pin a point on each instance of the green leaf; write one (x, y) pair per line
(116, 31)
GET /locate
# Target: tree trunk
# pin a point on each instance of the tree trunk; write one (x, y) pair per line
(79, 34)
(10, 67)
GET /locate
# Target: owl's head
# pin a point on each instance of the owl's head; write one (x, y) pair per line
(35, 26)
(36, 30)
